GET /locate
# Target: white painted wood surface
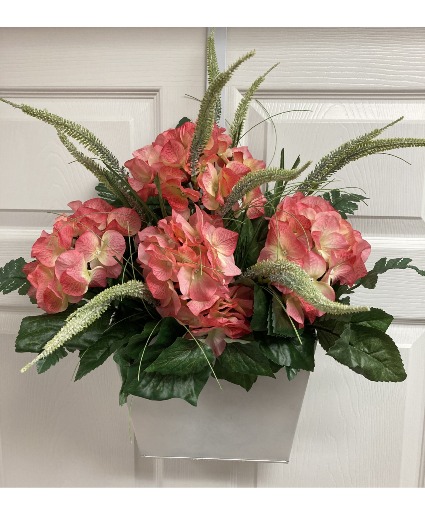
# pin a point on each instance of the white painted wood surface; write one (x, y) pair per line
(127, 84)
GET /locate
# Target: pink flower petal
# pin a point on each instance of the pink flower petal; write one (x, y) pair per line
(124, 220)
(88, 244)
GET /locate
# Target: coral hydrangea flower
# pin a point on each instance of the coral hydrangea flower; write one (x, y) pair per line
(189, 265)
(83, 251)
(310, 232)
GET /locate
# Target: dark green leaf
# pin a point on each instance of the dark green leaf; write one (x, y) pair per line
(159, 387)
(279, 323)
(244, 380)
(376, 318)
(108, 196)
(296, 163)
(184, 357)
(182, 121)
(261, 309)
(328, 332)
(168, 331)
(369, 352)
(291, 373)
(13, 278)
(289, 352)
(247, 249)
(246, 358)
(107, 342)
(51, 360)
(344, 203)
(383, 265)
(36, 331)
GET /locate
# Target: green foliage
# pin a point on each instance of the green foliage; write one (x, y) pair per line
(245, 359)
(141, 352)
(279, 322)
(50, 360)
(101, 174)
(105, 194)
(159, 387)
(384, 265)
(258, 178)
(13, 278)
(291, 373)
(344, 203)
(292, 276)
(351, 151)
(87, 314)
(259, 320)
(222, 371)
(207, 111)
(213, 70)
(369, 352)
(36, 331)
(247, 248)
(359, 342)
(106, 342)
(290, 352)
(184, 357)
(236, 128)
(182, 121)
(330, 329)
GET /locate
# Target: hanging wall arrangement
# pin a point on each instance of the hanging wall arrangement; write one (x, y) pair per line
(210, 278)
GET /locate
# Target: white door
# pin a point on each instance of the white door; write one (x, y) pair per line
(127, 85)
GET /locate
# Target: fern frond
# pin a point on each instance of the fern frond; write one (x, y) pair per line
(72, 129)
(90, 164)
(206, 116)
(236, 128)
(258, 178)
(294, 277)
(213, 70)
(84, 316)
(350, 151)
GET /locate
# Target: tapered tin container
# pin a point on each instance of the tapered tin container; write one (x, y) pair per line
(227, 424)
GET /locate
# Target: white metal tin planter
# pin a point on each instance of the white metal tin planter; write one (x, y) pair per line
(227, 424)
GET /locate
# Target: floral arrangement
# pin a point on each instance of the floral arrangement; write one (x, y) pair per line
(197, 261)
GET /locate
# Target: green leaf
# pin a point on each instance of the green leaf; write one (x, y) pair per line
(261, 309)
(184, 357)
(329, 329)
(289, 352)
(107, 342)
(13, 278)
(159, 387)
(182, 121)
(344, 203)
(369, 352)
(376, 318)
(244, 380)
(51, 360)
(168, 331)
(291, 373)
(36, 331)
(328, 332)
(279, 323)
(247, 249)
(383, 265)
(245, 358)
(107, 195)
